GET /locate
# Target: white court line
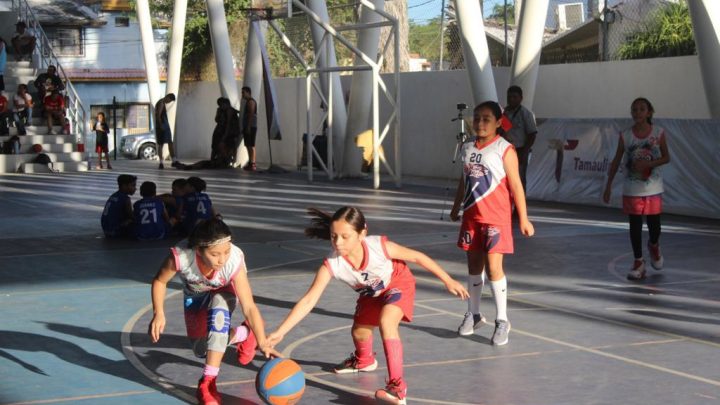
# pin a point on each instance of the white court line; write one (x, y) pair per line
(609, 355)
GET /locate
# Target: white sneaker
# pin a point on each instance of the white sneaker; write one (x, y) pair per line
(656, 258)
(638, 270)
(470, 323)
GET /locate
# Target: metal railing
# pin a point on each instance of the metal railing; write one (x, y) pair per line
(76, 113)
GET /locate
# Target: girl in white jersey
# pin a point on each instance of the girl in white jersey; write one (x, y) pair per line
(214, 278)
(644, 149)
(375, 268)
(487, 189)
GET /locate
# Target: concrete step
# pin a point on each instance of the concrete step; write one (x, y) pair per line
(30, 139)
(22, 163)
(56, 166)
(41, 130)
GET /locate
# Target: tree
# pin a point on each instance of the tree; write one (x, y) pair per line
(498, 13)
(668, 32)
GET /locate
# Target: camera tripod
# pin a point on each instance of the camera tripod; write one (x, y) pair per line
(461, 138)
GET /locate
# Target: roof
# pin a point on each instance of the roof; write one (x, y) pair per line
(496, 31)
(65, 13)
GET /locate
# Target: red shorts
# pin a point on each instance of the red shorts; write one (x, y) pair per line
(400, 292)
(487, 238)
(649, 205)
(101, 149)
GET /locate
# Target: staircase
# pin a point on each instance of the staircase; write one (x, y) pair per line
(62, 149)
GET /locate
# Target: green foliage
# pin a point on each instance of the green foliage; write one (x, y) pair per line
(667, 33)
(424, 39)
(498, 12)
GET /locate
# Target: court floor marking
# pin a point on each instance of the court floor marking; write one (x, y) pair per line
(84, 397)
(603, 354)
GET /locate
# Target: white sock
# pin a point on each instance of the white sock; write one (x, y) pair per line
(499, 289)
(241, 333)
(475, 285)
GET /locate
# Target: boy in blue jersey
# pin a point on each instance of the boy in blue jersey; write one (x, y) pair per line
(173, 201)
(117, 217)
(151, 218)
(196, 205)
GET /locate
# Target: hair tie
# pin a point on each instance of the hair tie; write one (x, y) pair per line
(215, 242)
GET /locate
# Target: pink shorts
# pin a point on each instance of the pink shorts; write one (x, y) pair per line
(400, 292)
(649, 205)
(487, 238)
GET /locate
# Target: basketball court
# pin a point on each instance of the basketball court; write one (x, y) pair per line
(76, 307)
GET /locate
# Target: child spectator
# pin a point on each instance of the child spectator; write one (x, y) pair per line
(151, 218)
(174, 199)
(101, 139)
(54, 105)
(22, 111)
(196, 205)
(117, 217)
(5, 114)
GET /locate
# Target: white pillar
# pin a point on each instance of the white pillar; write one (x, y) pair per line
(175, 59)
(149, 54)
(475, 50)
(338, 120)
(705, 15)
(361, 92)
(221, 48)
(528, 45)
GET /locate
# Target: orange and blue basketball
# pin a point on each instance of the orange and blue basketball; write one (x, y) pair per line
(280, 382)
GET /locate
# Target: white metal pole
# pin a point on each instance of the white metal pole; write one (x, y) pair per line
(148, 44)
(175, 59)
(308, 134)
(376, 126)
(336, 103)
(528, 45)
(360, 90)
(221, 48)
(705, 15)
(475, 50)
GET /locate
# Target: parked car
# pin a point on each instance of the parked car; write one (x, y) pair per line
(139, 146)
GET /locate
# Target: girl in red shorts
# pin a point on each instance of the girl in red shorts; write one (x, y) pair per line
(644, 149)
(375, 268)
(489, 186)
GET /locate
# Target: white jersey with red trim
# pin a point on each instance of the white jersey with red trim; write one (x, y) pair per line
(374, 273)
(487, 196)
(194, 282)
(649, 182)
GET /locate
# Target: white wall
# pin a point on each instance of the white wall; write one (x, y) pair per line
(589, 90)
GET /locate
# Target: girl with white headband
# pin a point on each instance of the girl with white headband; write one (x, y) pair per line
(214, 278)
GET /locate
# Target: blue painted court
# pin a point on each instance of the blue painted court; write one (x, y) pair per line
(76, 307)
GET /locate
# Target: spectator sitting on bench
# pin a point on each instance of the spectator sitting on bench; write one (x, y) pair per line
(54, 105)
(22, 111)
(47, 82)
(23, 41)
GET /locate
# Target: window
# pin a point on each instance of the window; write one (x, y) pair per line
(66, 41)
(135, 117)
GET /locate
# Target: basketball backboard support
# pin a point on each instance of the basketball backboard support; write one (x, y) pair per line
(273, 8)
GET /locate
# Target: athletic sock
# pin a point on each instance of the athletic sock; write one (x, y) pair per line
(241, 333)
(499, 289)
(210, 371)
(475, 286)
(364, 349)
(394, 357)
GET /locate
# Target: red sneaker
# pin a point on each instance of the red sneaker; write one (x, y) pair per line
(246, 349)
(353, 365)
(395, 392)
(207, 392)
(656, 258)
(638, 270)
